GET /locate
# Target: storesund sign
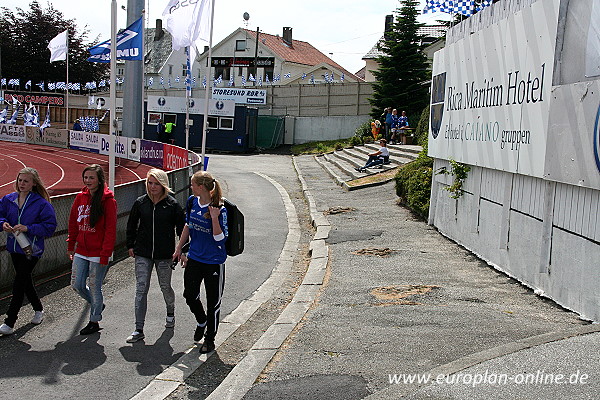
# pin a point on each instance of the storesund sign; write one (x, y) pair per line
(491, 93)
(241, 96)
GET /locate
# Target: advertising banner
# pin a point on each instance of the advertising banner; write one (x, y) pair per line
(240, 96)
(86, 141)
(37, 99)
(12, 133)
(133, 145)
(121, 145)
(221, 108)
(491, 93)
(151, 153)
(50, 136)
(175, 158)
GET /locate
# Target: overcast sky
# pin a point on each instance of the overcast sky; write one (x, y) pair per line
(345, 31)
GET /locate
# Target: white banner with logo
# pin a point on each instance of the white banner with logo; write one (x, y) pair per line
(491, 93)
(221, 108)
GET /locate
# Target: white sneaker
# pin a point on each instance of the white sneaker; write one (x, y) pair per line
(170, 322)
(135, 336)
(38, 317)
(6, 330)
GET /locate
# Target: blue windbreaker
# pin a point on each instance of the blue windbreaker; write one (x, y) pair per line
(36, 214)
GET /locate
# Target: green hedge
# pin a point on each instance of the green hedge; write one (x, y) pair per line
(413, 183)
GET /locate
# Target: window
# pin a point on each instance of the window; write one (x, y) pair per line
(226, 123)
(170, 70)
(223, 72)
(269, 71)
(240, 45)
(213, 122)
(183, 70)
(120, 71)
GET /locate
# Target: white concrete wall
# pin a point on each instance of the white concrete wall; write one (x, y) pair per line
(311, 129)
(541, 233)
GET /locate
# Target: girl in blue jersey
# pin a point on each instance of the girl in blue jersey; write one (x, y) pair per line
(206, 228)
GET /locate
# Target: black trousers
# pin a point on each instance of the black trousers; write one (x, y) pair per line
(22, 286)
(213, 276)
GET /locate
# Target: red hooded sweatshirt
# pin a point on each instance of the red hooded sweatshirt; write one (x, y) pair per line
(97, 241)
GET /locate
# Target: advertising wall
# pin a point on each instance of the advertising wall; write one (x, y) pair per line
(50, 136)
(12, 133)
(491, 93)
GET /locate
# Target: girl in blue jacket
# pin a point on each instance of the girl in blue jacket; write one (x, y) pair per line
(206, 227)
(26, 212)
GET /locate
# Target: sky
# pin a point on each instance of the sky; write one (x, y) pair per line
(345, 31)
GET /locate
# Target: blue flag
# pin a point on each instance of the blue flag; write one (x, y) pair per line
(129, 45)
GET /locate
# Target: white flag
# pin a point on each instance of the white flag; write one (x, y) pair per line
(58, 47)
(188, 22)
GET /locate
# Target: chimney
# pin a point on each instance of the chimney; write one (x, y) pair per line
(389, 22)
(287, 35)
(159, 33)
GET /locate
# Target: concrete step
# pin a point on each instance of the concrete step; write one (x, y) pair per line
(407, 151)
(362, 154)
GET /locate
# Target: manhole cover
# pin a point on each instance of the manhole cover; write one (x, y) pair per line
(398, 294)
(374, 251)
(338, 210)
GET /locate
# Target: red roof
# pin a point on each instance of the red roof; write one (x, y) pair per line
(299, 52)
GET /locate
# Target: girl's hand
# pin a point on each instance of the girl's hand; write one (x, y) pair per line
(20, 228)
(183, 260)
(70, 254)
(131, 253)
(7, 228)
(214, 212)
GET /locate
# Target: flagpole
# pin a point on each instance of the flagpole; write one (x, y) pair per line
(143, 67)
(187, 99)
(67, 115)
(207, 89)
(113, 96)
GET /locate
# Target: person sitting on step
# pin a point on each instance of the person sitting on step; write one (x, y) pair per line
(380, 157)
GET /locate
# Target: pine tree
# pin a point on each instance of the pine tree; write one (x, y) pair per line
(25, 36)
(403, 75)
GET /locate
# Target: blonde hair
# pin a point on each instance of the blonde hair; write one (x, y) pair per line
(203, 178)
(38, 185)
(162, 178)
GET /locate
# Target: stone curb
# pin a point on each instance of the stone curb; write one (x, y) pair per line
(241, 378)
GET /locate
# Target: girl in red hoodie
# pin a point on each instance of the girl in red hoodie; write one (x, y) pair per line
(91, 240)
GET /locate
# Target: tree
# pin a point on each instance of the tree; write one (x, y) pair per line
(25, 36)
(403, 75)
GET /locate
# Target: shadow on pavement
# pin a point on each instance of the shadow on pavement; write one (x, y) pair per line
(152, 358)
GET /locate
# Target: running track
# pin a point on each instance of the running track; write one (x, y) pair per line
(59, 169)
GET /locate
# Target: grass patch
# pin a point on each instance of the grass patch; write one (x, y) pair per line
(384, 176)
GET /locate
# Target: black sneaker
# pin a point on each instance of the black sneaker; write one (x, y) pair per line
(198, 334)
(91, 327)
(207, 346)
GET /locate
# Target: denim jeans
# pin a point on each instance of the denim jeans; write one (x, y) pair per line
(86, 279)
(143, 273)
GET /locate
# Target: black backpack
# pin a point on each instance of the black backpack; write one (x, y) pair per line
(235, 227)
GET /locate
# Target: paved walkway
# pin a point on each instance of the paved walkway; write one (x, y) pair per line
(400, 303)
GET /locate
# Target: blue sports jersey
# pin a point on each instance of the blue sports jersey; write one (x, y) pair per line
(203, 246)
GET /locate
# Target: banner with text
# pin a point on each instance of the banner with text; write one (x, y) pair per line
(86, 141)
(49, 136)
(240, 96)
(491, 93)
(12, 133)
(221, 108)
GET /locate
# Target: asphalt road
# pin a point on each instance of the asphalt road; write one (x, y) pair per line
(53, 360)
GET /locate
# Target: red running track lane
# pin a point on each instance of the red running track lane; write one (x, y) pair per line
(60, 169)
